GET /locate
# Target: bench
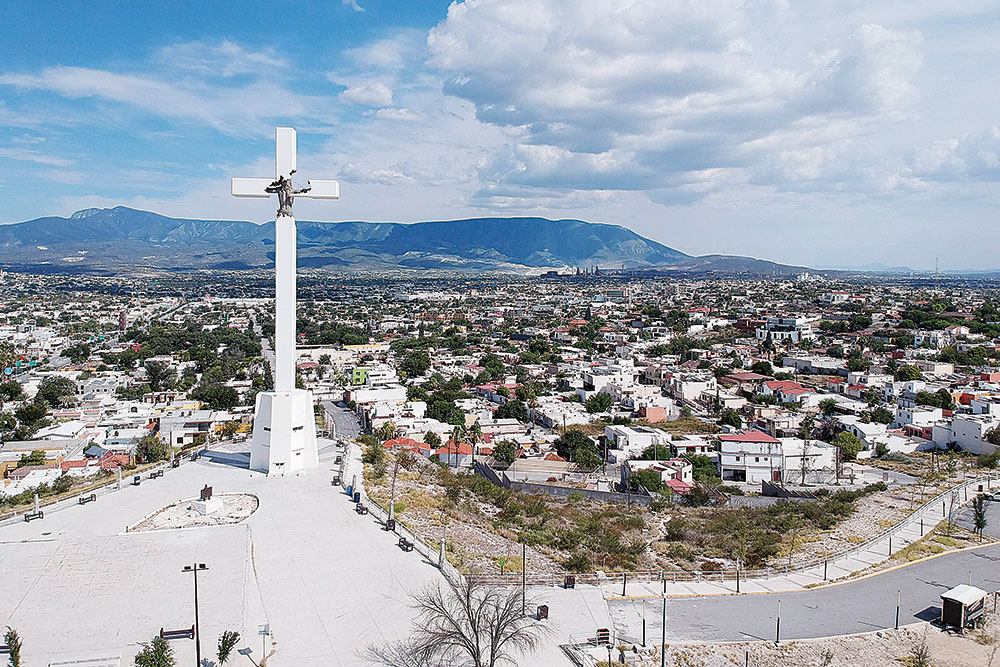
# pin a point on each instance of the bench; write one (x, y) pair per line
(336, 480)
(361, 508)
(83, 500)
(405, 544)
(31, 516)
(338, 460)
(136, 481)
(175, 463)
(155, 474)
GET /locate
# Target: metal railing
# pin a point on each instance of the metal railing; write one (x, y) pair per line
(100, 489)
(730, 574)
(431, 553)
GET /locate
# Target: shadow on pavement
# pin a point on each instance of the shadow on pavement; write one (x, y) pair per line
(234, 459)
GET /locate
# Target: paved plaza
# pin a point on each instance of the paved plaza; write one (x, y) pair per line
(325, 579)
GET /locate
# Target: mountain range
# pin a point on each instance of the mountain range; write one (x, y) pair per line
(114, 239)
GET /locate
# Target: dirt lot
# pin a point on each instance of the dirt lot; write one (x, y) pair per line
(483, 526)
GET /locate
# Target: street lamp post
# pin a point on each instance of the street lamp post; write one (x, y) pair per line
(197, 630)
(524, 574)
(663, 628)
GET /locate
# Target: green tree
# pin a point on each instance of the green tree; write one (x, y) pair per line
(216, 396)
(157, 372)
(150, 449)
(979, 515)
(881, 415)
(432, 439)
(512, 410)
(599, 402)
(10, 390)
(227, 642)
(857, 364)
(848, 444)
(157, 653)
(828, 406)
(14, 645)
(576, 446)
(57, 391)
(907, 373)
(35, 458)
(762, 368)
(415, 364)
(730, 417)
(505, 451)
(32, 412)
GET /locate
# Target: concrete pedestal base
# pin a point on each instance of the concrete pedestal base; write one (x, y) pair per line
(284, 433)
(209, 506)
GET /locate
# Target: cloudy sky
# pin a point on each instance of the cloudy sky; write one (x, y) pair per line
(840, 132)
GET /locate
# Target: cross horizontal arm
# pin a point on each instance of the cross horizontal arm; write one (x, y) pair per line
(251, 187)
(322, 189)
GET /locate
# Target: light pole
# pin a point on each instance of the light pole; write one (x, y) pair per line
(663, 628)
(197, 634)
(524, 574)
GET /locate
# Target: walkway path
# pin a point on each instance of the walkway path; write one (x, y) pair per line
(877, 551)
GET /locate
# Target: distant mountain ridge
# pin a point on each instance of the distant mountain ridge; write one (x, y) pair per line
(113, 238)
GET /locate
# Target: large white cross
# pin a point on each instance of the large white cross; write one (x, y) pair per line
(284, 251)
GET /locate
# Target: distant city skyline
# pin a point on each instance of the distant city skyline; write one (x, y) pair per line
(835, 133)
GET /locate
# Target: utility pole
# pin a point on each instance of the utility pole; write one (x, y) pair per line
(663, 628)
(197, 630)
(524, 575)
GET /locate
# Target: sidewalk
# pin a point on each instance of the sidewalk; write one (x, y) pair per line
(872, 553)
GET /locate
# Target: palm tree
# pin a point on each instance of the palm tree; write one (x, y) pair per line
(227, 642)
(13, 641)
(457, 434)
(475, 437)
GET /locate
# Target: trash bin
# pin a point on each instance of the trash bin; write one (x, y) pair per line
(569, 582)
(543, 612)
(390, 525)
(357, 496)
(136, 480)
(350, 490)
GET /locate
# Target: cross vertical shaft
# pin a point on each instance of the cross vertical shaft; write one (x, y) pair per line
(285, 267)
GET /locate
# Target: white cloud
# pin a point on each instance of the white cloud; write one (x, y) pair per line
(373, 94)
(233, 110)
(27, 155)
(353, 4)
(602, 95)
(225, 59)
(398, 114)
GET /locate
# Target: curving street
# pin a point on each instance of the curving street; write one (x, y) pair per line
(859, 606)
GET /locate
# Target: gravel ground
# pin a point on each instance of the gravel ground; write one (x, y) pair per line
(235, 508)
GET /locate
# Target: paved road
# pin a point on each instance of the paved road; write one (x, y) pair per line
(345, 421)
(860, 606)
(964, 518)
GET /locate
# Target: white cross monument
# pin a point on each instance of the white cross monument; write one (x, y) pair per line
(284, 429)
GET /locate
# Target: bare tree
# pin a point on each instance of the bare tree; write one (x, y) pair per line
(465, 624)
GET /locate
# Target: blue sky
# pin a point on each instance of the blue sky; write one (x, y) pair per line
(829, 132)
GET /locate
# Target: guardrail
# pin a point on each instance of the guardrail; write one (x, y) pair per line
(987, 482)
(431, 553)
(99, 489)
